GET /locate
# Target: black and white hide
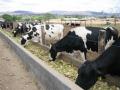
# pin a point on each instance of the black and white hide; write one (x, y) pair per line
(83, 39)
(22, 28)
(51, 32)
(107, 63)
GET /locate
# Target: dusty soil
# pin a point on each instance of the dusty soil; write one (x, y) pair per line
(13, 75)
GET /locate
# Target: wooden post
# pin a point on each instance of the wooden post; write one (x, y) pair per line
(101, 41)
(14, 25)
(43, 35)
(85, 22)
(115, 19)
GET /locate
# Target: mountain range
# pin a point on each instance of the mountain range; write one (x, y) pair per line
(18, 12)
(84, 13)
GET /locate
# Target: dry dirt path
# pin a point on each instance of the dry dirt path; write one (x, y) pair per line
(13, 75)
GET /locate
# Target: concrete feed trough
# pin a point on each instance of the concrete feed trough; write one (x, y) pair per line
(47, 78)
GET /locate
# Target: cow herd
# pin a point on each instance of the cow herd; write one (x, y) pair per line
(51, 32)
(78, 38)
(83, 39)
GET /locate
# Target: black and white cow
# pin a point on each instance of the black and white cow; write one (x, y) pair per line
(5, 25)
(1, 23)
(52, 32)
(107, 63)
(83, 39)
(22, 28)
(34, 32)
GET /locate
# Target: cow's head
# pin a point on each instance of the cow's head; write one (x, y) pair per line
(27, 27)
(26, 37)
(14, 33)
(87, 75)
(53, 53)
(111, 36)
(17, 30)
(111, 31)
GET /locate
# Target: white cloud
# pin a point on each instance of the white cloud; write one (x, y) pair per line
(66, 5)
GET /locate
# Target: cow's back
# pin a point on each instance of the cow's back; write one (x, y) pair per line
(89, 36)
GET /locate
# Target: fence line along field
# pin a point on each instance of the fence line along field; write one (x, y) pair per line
(87, 21)
(66, 68)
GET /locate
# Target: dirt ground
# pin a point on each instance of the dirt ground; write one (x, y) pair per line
(13, 75)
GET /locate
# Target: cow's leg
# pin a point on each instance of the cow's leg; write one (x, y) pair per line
(83, 56)
(40, 39)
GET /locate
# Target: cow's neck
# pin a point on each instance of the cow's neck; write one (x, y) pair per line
(106, 60)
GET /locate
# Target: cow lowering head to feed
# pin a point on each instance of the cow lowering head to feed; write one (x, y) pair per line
(22, 28)
(52, 32)
(107, 63)
(83, 39)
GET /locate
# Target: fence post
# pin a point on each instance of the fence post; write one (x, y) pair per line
(101, 41)
(14, 25)
(115, 19)
(43, 35)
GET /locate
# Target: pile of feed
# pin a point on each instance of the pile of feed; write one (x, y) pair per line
(65, 68)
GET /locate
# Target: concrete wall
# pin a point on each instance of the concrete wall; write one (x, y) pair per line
(48, 79)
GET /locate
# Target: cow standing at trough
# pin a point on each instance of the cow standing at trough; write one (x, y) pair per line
(22, 28)
(6, 25)
(107, 63)
(52, 32)
(1, 24)
(83, 39)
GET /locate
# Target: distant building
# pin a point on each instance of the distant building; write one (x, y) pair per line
(71, 19)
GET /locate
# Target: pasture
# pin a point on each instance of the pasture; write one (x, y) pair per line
(66, 68)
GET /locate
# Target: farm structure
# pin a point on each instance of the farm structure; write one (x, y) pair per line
(90, 21)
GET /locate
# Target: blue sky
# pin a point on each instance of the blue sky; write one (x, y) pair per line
(66, 5)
